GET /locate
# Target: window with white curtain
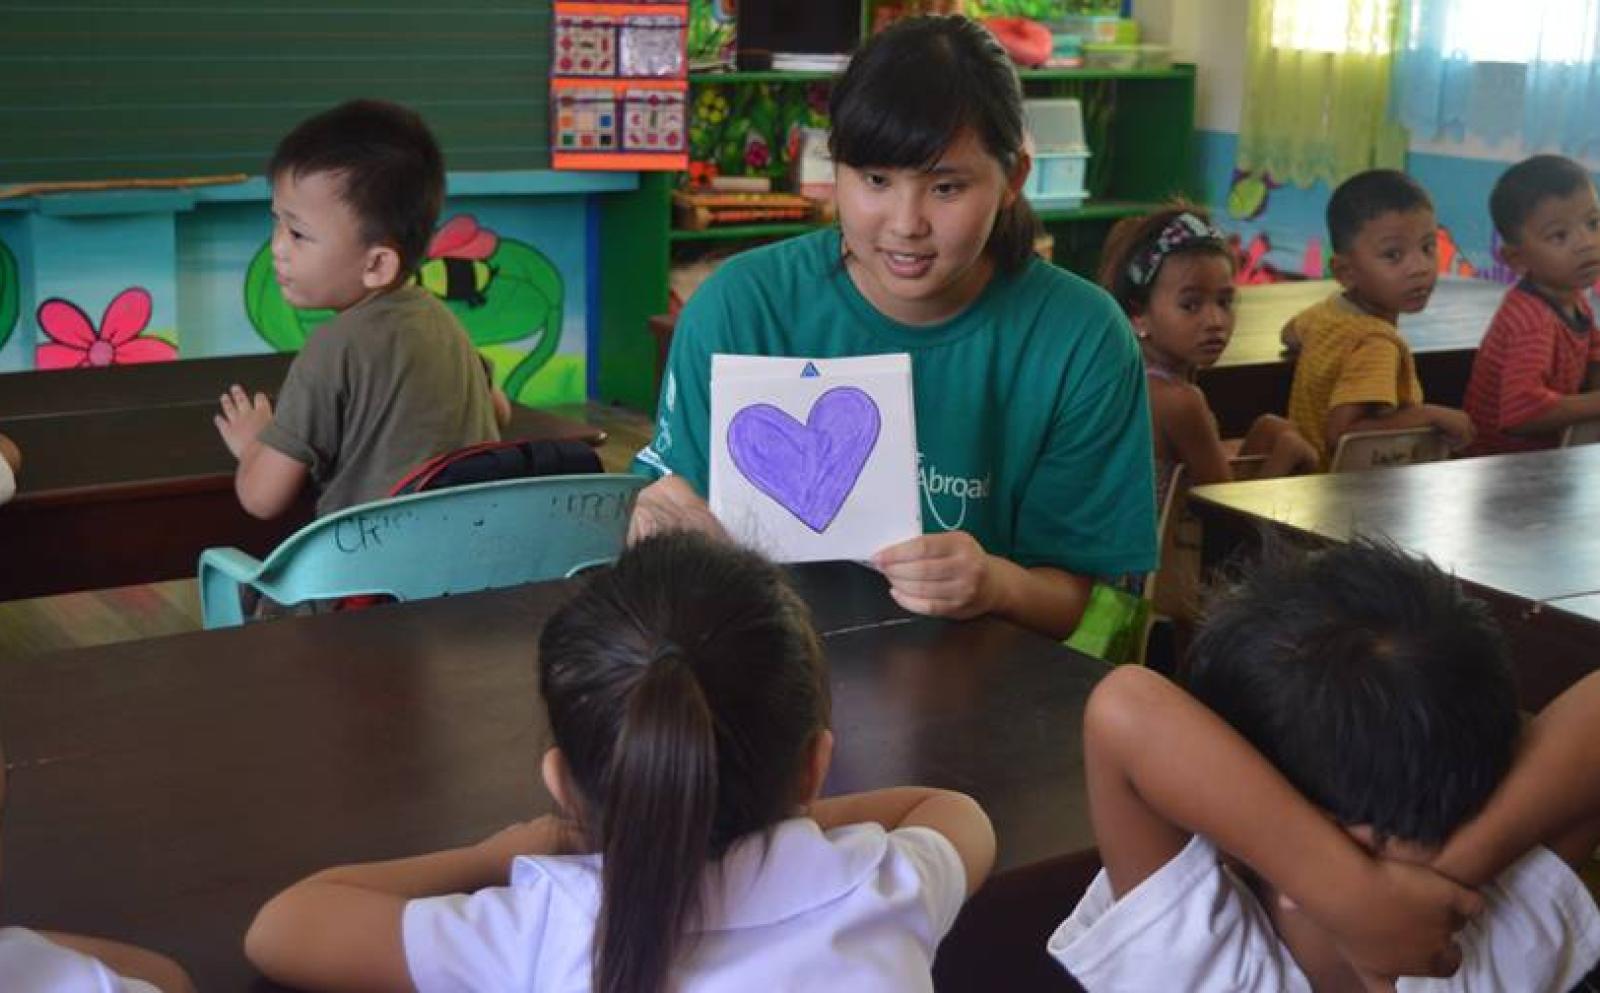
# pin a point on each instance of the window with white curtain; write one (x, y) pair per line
(1476, 30)
(1324, 26)
(1528, 31)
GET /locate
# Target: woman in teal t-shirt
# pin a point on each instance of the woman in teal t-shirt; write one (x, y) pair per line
(1032, 425)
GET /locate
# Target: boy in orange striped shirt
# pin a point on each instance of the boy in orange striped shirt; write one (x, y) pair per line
(1538, 368)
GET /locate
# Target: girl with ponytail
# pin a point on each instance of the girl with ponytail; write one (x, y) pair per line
(688, 706)
(1031, 417)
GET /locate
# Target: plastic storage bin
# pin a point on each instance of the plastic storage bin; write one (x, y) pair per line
(1127, 56)
(1098, 28)
(1060, 154)
(1057, 179)
(1055, 124)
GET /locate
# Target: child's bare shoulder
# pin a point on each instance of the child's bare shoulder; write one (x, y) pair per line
(1177, 398)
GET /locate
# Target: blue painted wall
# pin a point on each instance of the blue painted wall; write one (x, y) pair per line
(191, 250)
(1292, 218)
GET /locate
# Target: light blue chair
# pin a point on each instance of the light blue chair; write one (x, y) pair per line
(434, 543)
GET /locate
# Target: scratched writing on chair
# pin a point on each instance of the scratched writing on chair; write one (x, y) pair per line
(597, 507)
(359, 532)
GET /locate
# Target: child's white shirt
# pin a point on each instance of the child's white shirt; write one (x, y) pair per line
(857, 908)
(8, 481)
(30, 963)
(1194, 925)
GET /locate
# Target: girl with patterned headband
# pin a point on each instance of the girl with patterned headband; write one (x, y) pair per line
(1172, 273)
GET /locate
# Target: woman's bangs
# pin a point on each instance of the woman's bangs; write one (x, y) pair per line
(901, 117)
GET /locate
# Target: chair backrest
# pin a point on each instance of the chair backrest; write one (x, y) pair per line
(1174, 587)
(1166, 521)
(1380, 449)
(441, 542)
(1581, 433)
(1246, 467)
(512, 459)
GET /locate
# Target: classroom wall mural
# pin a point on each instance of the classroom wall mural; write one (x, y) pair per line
(123, 336)
(507, 294)
(10, 294)
(1278, 231)
(115, 280)
(535, 270)
(87, 290)
(1250, 193)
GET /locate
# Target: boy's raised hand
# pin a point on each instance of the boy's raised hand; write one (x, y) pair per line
(243, 417)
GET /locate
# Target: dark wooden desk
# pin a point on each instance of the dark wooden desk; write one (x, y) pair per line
(124, 479)
(1518, 530)
(1586, 607)
(200, 382)
(1253, 376)
(42, 393)
(161, 790)
(116, 497)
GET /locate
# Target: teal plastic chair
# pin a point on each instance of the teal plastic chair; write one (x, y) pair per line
(434, 543)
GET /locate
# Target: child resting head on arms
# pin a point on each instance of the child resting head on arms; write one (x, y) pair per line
(1353, 371)
(1172, 273)
(688, 702)
(1292, 817)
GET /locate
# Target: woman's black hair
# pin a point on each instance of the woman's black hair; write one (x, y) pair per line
(912, 90)
(684, 686)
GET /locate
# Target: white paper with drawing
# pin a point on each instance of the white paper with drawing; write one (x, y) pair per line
(814, 459)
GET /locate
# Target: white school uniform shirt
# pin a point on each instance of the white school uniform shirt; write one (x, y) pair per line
(8, 481)
(29, 963)
(857, 908)
(1194, 925)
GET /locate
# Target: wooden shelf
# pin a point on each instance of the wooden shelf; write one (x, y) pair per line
(1179, 71)
(761, 76)
(1097, 210)
(734, 232)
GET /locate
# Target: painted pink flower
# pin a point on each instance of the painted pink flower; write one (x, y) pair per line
(75, 343)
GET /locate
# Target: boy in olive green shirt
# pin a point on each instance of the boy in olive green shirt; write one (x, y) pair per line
(391, 381)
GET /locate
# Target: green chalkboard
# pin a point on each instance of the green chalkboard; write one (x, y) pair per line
(109, 89)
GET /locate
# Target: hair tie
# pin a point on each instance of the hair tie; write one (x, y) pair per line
(1181, 232)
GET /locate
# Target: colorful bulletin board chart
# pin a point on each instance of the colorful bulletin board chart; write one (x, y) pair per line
(619, 86)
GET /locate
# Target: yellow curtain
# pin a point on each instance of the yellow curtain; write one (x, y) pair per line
(1316, 102)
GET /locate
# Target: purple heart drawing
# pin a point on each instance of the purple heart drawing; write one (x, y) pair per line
(810, 468)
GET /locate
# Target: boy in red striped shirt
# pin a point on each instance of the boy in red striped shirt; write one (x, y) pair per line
(1538, 368)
